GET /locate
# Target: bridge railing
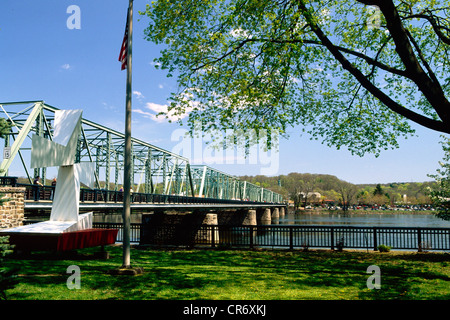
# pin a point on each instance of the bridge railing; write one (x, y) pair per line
(292, 236)
(8, 181)
(34, 192)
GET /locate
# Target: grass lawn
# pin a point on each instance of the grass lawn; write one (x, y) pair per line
(233, 274)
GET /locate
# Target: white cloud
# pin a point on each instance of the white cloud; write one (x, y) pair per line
(152, 109)
(156, 107)
(66, 66)
(138, 94)
(155, 64)
(109, 107)
(149, 115)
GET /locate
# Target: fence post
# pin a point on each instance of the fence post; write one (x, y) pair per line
(141, 233)
(375, 240)
(332, 238)
(448, 240)
(213, 236)
(291, 238)
(251, 237)
(419, 240)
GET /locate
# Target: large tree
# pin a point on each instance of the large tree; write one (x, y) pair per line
(440, 194)
(347, 191)
(351, 73)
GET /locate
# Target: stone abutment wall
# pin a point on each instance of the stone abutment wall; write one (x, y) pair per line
(12, 211)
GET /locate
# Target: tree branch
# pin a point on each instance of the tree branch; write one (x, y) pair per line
(369, 60)
(422, 58)
(436, 27)
(432, 92)
(391, 104)
(373, 62)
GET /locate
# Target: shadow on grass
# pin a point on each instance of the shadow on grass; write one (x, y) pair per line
(235, 274)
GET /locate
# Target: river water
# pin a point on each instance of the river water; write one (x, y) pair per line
(372, 219)
(366, 219)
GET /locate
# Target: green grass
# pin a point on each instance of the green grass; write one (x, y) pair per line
(234, 274)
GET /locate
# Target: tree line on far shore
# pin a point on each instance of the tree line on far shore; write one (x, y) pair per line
(306, 189)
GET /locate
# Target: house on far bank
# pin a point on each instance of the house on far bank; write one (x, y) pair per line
(311, 197)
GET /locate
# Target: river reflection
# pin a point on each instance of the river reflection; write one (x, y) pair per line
(116, 217)
(366, 219)
(356, 219)
(317, 238)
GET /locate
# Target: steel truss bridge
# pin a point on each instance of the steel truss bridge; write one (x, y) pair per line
(157, 171)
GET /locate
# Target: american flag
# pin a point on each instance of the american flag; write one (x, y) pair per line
(124, 49)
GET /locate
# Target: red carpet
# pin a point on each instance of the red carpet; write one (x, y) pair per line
(63, 241)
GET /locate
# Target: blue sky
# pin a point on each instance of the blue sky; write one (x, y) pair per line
(42, 59)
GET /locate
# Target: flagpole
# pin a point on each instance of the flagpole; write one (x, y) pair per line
(127, 170)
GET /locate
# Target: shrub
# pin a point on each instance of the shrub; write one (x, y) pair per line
(7, 277)
(384, 248)
(340, 245)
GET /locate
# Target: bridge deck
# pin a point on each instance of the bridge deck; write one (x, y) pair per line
(47, 205)
(98, 199)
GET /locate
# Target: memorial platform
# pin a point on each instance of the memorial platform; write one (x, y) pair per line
(66, 241)
(60, 235)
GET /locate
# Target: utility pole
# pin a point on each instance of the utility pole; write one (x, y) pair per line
(125, 59)
(126, 216)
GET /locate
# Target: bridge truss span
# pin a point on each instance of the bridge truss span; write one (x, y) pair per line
(154, 170)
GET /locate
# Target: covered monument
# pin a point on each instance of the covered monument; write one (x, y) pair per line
(66, 229)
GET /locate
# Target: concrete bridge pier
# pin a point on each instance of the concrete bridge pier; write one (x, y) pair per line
(264, 216)
(185, 228)
(249, 218)
(282, 212)
(209, 235)
(275, 215)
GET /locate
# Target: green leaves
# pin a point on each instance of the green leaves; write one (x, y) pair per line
(440, 195)
(260, 64)
(7, 278)
(5, 127)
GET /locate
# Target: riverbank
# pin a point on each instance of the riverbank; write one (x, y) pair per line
(358, 211)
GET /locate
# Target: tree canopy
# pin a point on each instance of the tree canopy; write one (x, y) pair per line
(5, 127)
(350, 73)
(440, 194)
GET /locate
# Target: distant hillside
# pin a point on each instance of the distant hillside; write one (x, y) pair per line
(332, 188)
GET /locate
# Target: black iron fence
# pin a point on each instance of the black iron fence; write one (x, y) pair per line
(135, 230)
(291, 237)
